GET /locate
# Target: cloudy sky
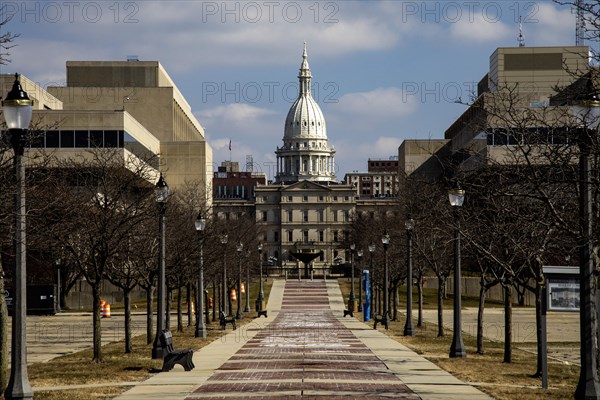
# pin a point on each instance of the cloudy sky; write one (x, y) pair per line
(383, 71)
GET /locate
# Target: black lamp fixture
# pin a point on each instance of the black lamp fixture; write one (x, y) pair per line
(17, 108)
(456, 196)
(161, 192)
(200, 332)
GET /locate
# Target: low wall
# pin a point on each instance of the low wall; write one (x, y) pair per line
(470, 287)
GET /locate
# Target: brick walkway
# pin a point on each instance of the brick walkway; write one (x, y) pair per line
(305, 350)
(304, 353)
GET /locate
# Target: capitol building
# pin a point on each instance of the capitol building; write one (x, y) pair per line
(305, 212)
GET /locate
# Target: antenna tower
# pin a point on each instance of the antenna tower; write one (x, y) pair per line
(579, 23)
(521, 37)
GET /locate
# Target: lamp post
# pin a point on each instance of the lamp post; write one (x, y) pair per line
(162, 194)
(239, 247)
(224, 300)
(247, 308)
(371, 251)
(359, 254)
(408, 326)
(200, 224)
(352, 297)
(386, 295)
(587, 111)
(457, 349)
(261, 294)
(17, 108)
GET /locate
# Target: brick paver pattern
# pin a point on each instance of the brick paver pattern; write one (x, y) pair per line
(304, 353)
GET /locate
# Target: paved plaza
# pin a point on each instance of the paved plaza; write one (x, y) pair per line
(305, 349)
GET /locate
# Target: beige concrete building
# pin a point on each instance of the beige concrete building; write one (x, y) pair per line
(131, 106)
(513, 100)
(144, 90)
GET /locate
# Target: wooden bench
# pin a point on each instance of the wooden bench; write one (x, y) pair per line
(224, 320)
(172, 356)
(378, 319)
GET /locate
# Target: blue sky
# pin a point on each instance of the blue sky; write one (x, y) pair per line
(384, 71)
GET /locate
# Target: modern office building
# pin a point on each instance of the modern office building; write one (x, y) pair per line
(132, 106)
(514, 95)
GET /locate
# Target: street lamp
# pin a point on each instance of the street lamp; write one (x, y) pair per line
(408, 326)
(200, 224)
(587, 112)
(247, 308)
(239, 247)
(261, 294)
(372, 273)
(457, 349)
(18, 108)
(162, 194)
(359, 254)
(352, 297)
(385, 319)
(224, 239)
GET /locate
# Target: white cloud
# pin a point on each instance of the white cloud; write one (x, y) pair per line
(381, 103)
(480, 29)
(236, 112)
(548, 25)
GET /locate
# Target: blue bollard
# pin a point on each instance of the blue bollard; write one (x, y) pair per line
(367, 293)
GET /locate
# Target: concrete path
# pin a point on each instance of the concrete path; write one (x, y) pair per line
(305, 349)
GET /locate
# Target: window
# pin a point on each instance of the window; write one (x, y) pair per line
(264, 216)
(111, 139)
(305, 236)
(305, 198)
(335, 236)
(321, 216)
(67, 139)
(305, 215)
(321, 236)
(335, 216)
(52, 139)
(346, 198)
(289, 199)
(290, 215)
(290, 236)
(335, 198)
(276, 236)
(321, 198)
(347, 216)
(81, 139)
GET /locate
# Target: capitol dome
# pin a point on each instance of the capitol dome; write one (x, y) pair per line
(305, 119)
(305, 154)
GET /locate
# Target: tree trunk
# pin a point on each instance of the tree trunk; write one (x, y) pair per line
(149, 315)
(395, 302)
(127, 301)
(4, 371)
(482, 293)
(180, 310)
(188, 298)
(168, 310)
(538, 326)
(420, 295)
(507, 323)
(440, 305)
(215, 300)
(97, 322)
